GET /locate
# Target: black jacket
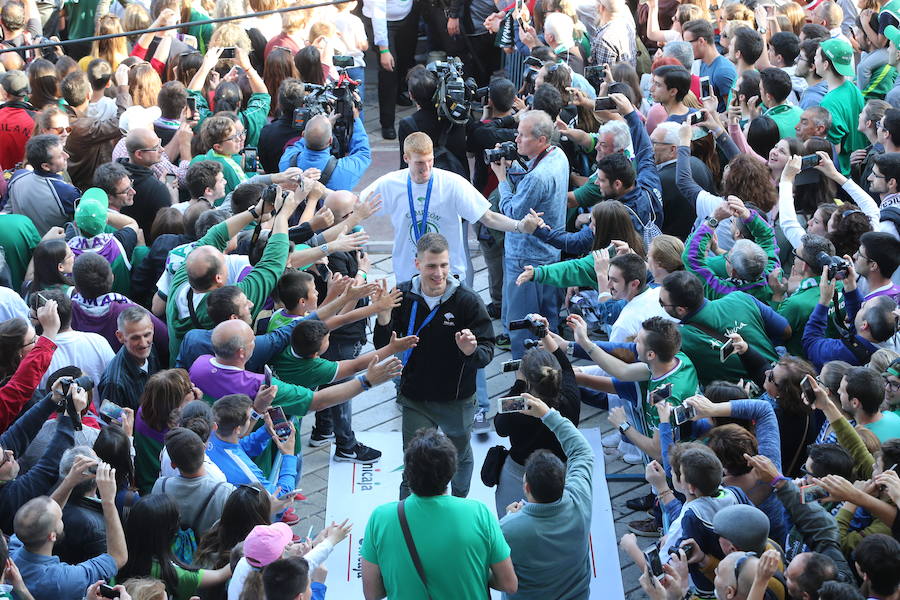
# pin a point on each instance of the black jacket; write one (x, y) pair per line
(150, 195)
(273, 139)
(679, 213)
(437, 370)
(85, 531)
(484, 135)
(346, 263)
(145, 275)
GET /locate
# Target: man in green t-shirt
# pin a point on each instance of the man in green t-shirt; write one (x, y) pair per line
(669, 375)
(460, 546)
(774, 88)
(844, 101)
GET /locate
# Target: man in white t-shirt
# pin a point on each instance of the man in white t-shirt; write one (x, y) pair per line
(440, 199)
(627, 280)
(88, 351)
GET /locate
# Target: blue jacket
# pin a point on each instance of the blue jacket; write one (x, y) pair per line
(198, 342)
(349, 169)
(238, 467)
(820, 349)
(543, 187)
(647, 184)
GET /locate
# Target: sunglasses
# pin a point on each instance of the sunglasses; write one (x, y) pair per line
(60, 130)
(737, 569)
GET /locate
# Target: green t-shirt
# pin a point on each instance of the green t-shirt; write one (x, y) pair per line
(307, 372)
(280, 318)
(684, 385)
(18, 238)
(886, 428)
(80, 18)
(845, 103)
(786, 117)
(457, 540)
(589, 194)
(188, 581)
(797, 307)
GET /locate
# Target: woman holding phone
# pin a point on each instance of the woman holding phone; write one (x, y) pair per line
(546, 374)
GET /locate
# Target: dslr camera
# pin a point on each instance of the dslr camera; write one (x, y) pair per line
(506, 150)
(535, 326)
(67, 383)
(837, 266)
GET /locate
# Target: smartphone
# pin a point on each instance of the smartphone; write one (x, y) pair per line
(227, 52)
(654, 564)
(695, 117)
(279, 421)
(811, 493)
(171, 179)
(110, 410)
(107, 591)
(604, 103)
(42, 299)
(661, 393)
(250, 162)
(192, 106)
(267, 375)
(809, 161)
(806, 392)
(705, 87)
(510, 366)
(512, 404)
(726, 350)
(684, 413)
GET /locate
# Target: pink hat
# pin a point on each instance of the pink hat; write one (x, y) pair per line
(266, 543)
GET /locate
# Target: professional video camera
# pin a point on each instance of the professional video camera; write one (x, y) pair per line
(838, 268)
(332, 98)
(454, 95)
(67, 383)
(534, 325)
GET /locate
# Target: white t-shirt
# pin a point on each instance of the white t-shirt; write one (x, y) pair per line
(452, 199)
(11, 305)
(88, 351)
(642, 307)
(167, 470)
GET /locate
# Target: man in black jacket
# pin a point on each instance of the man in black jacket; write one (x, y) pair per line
(150, 194)
(456, 338)
(680, 213)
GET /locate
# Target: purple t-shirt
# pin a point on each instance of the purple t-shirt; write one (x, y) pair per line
(893, 291)
(216, 381)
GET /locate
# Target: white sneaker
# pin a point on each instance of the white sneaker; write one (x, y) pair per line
(611, 440)
(633, 459)
(481, 423)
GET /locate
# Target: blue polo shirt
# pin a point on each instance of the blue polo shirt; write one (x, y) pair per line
(47, 577)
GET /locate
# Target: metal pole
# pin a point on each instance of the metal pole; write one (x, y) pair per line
(109, 36)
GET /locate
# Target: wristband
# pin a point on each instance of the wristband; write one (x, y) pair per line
(778, 480)
(384, 51)
(364, 382)
(365, 275)
(255, 415)
(324, 249)
(253, 213)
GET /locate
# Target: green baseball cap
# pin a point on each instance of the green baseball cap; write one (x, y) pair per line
(840, 54)
(90, 214)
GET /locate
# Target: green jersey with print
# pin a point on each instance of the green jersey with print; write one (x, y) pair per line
(685, 384)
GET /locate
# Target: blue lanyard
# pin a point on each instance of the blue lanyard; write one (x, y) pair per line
(412, 324)
(419, 229)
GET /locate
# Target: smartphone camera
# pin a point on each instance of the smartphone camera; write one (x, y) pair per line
(604, 103)
(510, 366)
(809, 161)
(512, 404)
(654, 564)
(684, 413)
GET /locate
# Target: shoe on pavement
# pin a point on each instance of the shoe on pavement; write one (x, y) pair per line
(289, 517)
(494, 310)
(317, 440)
(503, 342)
(612, 440)
(645, 527)
(357, 454)
(389, 133)
(633, 459)
(641, 502)
(481, 423)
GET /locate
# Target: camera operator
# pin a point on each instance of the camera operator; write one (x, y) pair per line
(276, 136)
(542, 187)
(449, 138)
(497, 125)
(313, 150)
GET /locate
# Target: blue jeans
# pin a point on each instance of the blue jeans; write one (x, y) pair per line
(521, 300)
(338, 418)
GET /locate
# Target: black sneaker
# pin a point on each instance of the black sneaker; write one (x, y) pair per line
(503, 341)
(317, 440)
(357, 454)
(641, 502)
(493, 310)
(645, 527)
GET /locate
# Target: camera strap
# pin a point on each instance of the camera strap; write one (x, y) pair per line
(412, 324)
(411, 546)
(419, 228)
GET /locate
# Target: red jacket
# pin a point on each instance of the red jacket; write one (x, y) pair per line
(19, 389)
(16, 125)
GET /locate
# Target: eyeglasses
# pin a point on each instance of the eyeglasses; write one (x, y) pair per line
(237, 136)
(60, 130)
(876, 176)
(667, 305)
(32, 342)
(130, 188)
(156, 148)
(892, 385)
(798, 257)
